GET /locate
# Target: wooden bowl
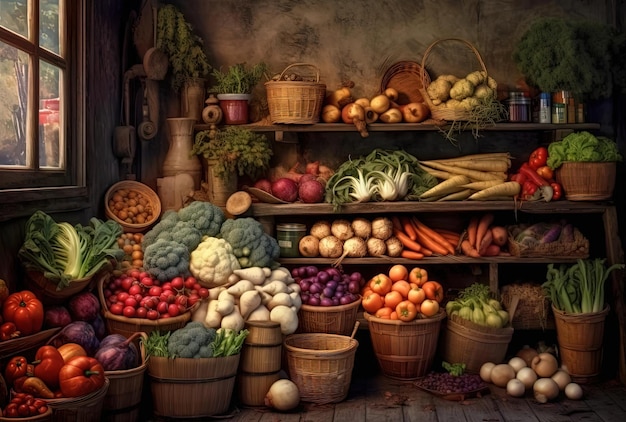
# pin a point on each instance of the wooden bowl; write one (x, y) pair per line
(144, 194)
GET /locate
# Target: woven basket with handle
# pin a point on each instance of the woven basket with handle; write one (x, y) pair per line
(441, 112)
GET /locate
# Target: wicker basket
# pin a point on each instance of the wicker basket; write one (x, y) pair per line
(405, 350)
(533, 310)
(79, 409)
(406, 78)
(126, 386)
(46, 289)
(117, 324)
(146, 193)
(295, 102)
(328, 319)
(192, 388)
(44, 417)
(579, 248)
(587, 181)
(25, 343)
(440, 112)
(463, 341)
(321, 365)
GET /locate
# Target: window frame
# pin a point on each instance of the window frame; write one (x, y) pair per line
(68, 188)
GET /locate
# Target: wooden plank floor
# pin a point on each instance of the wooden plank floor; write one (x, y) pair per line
(374, 397)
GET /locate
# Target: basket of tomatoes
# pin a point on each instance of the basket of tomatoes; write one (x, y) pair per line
(26, 407)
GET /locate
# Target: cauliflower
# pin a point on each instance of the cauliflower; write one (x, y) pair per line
(251, 245)
(212, 262)
(204, 216)
(194, 340)
(166, 259)
(462, 88)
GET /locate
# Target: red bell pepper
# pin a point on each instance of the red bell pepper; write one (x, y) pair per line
(538, 158)
(47, 365)
(545, 190)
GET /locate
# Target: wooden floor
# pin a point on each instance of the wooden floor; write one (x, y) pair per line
(374, 397)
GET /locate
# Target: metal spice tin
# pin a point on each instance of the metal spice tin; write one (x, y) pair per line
(288, 236)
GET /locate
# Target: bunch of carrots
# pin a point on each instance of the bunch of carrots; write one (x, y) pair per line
(472, 177)
(483, 238)
(420, 240)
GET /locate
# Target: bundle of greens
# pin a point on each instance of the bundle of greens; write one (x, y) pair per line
(582, 146)
(64, 253)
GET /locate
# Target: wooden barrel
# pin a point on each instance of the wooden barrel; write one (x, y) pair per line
(261, 361)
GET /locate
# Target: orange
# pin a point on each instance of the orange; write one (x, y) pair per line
(393, 298)
(403, 287)
(398, 272)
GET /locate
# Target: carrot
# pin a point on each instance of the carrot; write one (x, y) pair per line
(485, 242)
(407, 242)
(483, 225)
(453, 239)
(468, 249)
(433, 235)
(426, 251)
(411, 254)
(408, 227)
(504, 189)
(471, 231)
(431, 244)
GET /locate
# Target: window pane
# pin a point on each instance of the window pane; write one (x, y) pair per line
(13, 105)
(51, 144)
(49, 36)
(13, 16)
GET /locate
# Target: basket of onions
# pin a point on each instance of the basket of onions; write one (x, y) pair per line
(330, 299)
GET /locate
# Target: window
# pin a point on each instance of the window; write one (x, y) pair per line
(41, 123)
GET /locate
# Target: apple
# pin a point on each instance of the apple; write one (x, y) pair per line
(415, 112)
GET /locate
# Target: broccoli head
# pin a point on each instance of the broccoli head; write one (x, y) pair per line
(194, 340)
(251, 245)
(166, 259)
(204, 216)
(167, 221)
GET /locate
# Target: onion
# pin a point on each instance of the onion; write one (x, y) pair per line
(283, 395)
(485, 371)
(527, 353)
(573, 391)
(545, 389)
(517, 363)
(544, 364)
(501, 374)
(562, 378)
(264, 185)
(527, 376)
(515, 388)
(285, 189)
(311, 191)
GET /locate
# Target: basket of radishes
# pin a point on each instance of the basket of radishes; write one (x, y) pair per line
(330, 299)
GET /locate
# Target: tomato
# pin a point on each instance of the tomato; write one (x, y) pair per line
(401, 286)
(398, 272)
(25, 311)
(135, 289)
(11, 410)
(141, 312)
(131, 301)
(433, 290)
(557, 190)
(16, 367)
(182, 300)
(380, 284)
(393, 298)
(129, 311)
(406, 310)
(190, 282)
(429, 307)
(116, 308)
(384, 312)
(418, 276)
(155, 291)
(122, 296)
(81, 375)
(173, 309)
(545, 172)
(8, 330)
(372, 302)
(47, 364)
(192, 299)
(203, 292)
(416, 294)
(177, 283)
(538, 158)
(162, 307)
(152, 314)
(127, 282)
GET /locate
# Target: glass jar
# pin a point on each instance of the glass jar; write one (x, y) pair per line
(519, 107)
(288, 236)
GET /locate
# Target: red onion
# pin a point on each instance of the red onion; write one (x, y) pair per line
(285, 189)
(311, 191)
(264, 185)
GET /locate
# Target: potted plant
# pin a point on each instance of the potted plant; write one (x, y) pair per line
(230, 153)
(189, 64)
(234, 90)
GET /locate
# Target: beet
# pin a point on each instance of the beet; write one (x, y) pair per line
(118, 353)
(84, 306)
(56, 316)
(311, 191)
(79, 332)
(285, 189)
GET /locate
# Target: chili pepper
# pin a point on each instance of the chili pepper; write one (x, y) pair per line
(8, 331)
(538, 158)
(557, 190)
(531, 174)
(518, 177)
(529, 191)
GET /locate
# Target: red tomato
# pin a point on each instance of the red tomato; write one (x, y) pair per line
(181, 300)
(141, 312)
(177, 283)
(152, 314)
(135, 289)
(129, 311)
(433, 290)
(162, 307)
(203, 292)
(173, 309)
(155, 291)
(135, 273)
(117, 308)
(122, 296)
(24, 310)
(148, 281)
(167, 285)
(190, 282)
(127, 282)
(192, 300)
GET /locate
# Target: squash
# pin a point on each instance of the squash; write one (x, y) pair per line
(69, 350)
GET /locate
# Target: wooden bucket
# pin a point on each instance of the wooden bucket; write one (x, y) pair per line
(580, 338)
(261, 361)
(192, 388)
(85, 408)
(405, 350)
